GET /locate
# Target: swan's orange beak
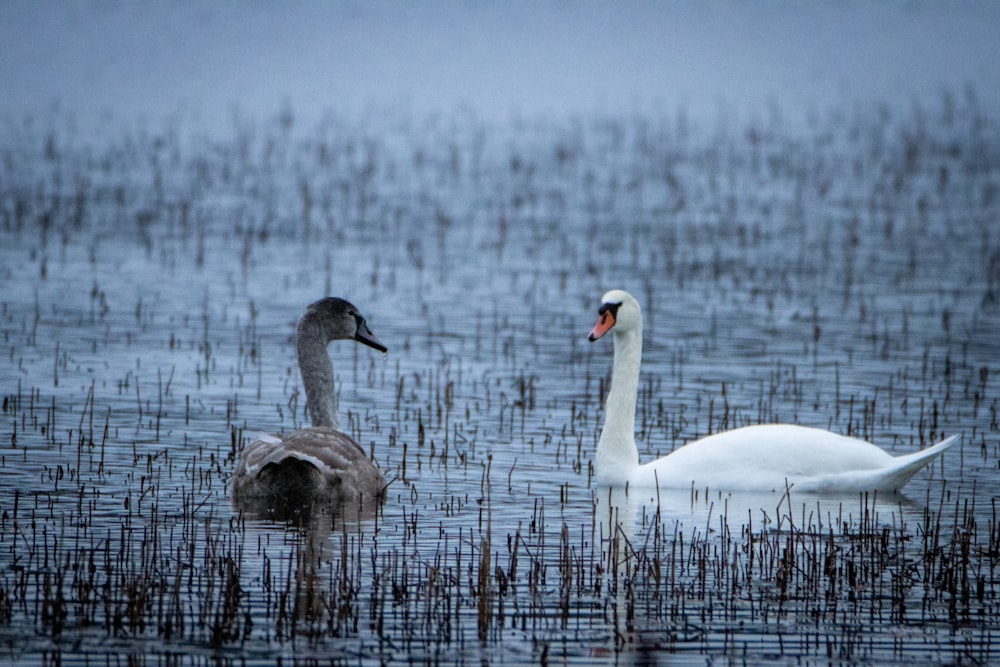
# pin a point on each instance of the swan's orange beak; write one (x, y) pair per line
(604, 324)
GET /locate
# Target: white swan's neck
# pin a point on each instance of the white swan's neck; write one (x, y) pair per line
(617, 457)
(317, 375)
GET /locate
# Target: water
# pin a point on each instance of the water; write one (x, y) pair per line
(843, 276)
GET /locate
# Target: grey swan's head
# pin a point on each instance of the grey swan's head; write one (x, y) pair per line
(333, 318)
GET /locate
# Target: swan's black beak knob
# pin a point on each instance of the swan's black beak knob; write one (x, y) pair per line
(608, 316)
(365, 335)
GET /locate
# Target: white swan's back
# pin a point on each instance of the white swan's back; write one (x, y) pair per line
(767, 457)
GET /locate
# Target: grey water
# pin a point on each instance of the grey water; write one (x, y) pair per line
(844, 274)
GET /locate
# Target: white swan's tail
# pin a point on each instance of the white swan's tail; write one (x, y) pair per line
(905, 467)
(889, 479)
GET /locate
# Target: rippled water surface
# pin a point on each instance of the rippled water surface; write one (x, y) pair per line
(845, 276)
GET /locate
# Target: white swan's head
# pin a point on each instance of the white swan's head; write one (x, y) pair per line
(619, 311)
(338, 319)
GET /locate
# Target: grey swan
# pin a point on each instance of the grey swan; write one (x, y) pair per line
(751, 458)
(282, 474)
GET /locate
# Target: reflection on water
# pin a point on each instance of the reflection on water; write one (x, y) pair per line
(845, 278)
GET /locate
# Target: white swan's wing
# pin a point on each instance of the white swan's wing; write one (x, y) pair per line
(767, 457)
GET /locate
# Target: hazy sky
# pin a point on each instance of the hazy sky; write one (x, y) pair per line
(202, 58)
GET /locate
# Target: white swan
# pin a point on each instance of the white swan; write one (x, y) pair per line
(753, 458)
(282, 474)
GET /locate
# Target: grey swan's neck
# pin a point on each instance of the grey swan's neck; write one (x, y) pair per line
(316, 370)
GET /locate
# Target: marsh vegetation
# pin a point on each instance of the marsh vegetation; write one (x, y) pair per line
(840, 272)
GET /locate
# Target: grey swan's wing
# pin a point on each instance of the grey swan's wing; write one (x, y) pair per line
(306, 466)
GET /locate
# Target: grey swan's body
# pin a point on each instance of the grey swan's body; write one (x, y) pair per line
(283, 473)
(752, 458)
